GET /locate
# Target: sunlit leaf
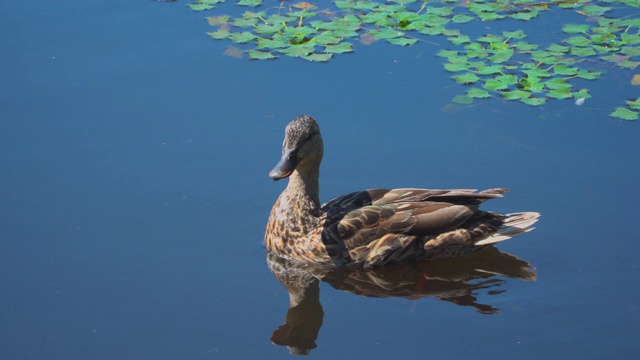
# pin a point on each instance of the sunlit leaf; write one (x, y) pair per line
(402, 41)
(501, 56)
(582, 94)
(528, 15)
(559, 93)
(624, 114)
(635, 79)
(534, 101)
(260, 55)
(489, 69)
(583, 51)
(575, 29)
(478, 93)
(317, 57)
(200, 7)
(447, 53)
(458, 40)
(518, 34)
(525, 46)
(219, 34)
(557, 84)
(339, 49)
(515, 94)
(558, 48)
(297, 50)
(455, 67)
(578, 41)
(242, 37)
(253, 3)
(565, 70)
(493, 85)
(589, 74)
(631, 50)
(468, 78)
(634, 104)
(594, 10)
(386, 33)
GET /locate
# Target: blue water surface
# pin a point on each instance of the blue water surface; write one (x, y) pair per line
(134, 194)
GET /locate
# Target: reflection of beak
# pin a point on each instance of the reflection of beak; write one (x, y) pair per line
(285, 166)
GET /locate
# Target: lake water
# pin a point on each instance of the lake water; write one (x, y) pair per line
(134, 196)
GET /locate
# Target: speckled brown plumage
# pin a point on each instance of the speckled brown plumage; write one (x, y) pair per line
(379, 226)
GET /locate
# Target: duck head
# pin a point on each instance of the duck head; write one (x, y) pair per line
(302, 148)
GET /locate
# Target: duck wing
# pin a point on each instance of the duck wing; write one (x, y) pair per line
(394, 218)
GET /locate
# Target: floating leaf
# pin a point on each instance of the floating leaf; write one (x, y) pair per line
(489, 69)
(594, 10)
(253, 3)
(518, 34)
(575, 29)
(515, 94)
(260, 55)
(219, 34)
(534, 101)
(468, 78)
(582, 94)
(565, 70)
(635, 80)
(200, 7)
(493, 85)
(634, 104)
(458, 40)
(578, 41)
(297, 50)
(559, 93)
(242, 37)
(386, 33)
(478, 93)
(339, 49)
(455, 67)
(317, 57)
(624, 114)
(402, 41)
(583, 51)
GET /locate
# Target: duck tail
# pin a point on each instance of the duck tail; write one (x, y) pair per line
(513, 224)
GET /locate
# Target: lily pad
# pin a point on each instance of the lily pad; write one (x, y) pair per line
(624, 114)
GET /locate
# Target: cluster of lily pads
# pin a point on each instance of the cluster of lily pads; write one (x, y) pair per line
(503, 64)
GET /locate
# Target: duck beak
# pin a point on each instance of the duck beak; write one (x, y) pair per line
(285, 166)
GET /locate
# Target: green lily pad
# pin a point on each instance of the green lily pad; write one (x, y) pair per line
(533, 101)
(575, 29)
(339, 49)
(219, 34)
(242, 37)
(478, 93)
(402, 41)
(468, 78)
(253, 3)
(260, 55)
(317, 57)
(515, 94)
(634, 104)
(624, 114)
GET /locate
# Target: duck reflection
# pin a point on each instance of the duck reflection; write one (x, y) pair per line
(457, 281)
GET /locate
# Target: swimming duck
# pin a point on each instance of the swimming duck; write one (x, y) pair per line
(375, 227)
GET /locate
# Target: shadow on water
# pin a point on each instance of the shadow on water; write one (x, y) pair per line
(457, 281)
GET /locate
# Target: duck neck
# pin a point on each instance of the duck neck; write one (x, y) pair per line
(304, 187)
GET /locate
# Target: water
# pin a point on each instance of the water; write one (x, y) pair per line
(135, 194)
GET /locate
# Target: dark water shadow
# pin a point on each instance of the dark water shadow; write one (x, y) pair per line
(458, 281)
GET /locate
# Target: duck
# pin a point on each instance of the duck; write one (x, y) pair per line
(375, 227)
